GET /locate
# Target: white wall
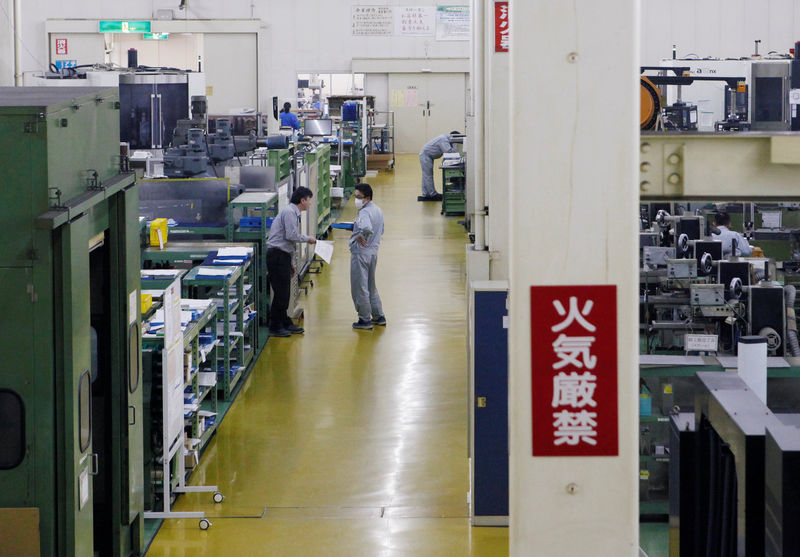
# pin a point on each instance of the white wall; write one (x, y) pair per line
(301, 36)
(717, 28)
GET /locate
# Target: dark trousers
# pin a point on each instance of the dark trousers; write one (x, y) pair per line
(279, 269)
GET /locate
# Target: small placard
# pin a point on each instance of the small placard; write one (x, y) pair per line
(701, 343)
(83, 488)
(771, 219)
(794, 96)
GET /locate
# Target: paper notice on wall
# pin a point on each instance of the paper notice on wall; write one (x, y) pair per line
(414, 21)
(375, 21)
(452, 23)
(410, 97)
(398, 98)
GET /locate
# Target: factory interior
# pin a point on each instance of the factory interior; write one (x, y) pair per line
(400, 278)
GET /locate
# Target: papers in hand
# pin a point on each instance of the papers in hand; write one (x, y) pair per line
(324, 250)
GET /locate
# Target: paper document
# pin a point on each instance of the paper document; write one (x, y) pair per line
(215, 272)
(324, 250)
(234, 252)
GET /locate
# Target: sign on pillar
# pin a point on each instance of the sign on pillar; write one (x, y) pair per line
(502, 27)
(574, 370)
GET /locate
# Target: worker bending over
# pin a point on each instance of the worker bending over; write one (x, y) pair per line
(434, 149)
(364, 243)
(283, 235)
(722, 221)
(288, 118)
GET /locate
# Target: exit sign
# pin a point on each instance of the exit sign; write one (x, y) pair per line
(155, 36)
(124, 27)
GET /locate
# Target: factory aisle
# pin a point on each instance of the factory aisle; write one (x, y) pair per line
(347, 442)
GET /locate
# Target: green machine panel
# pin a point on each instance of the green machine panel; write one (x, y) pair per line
(71, 325)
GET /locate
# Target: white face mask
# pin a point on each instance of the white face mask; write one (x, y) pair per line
(359, 203)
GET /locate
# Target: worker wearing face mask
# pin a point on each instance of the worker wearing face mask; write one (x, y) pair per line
(434, 149)
(364, 243)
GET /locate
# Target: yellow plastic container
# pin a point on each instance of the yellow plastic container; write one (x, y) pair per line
(147, 303)
(156, 227)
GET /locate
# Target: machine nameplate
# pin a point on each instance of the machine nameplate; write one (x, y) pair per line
(701, 343)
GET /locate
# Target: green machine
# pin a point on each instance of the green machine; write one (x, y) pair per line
(70, 389)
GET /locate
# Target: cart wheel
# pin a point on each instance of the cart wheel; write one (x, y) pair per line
(218, 497)
(205, 524)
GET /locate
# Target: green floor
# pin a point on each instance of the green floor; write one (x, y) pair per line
(654, 538)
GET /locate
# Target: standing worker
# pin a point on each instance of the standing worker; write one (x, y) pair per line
(434, 149)
(283, 235)
(364, 243)
(288, 118)
(722, 221)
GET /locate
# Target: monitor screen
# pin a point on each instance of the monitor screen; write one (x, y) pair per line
(318, 127)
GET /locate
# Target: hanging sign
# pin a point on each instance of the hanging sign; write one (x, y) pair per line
(502, 27)
(574, 370)
(414, 21)
(124, 26)
(371, 21)
(452, 23)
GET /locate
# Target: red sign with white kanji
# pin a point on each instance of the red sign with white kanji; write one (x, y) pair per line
(502, 27)
(574, 370)
(61, 46)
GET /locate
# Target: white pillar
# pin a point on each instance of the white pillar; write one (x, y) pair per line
(496, 147)
(18, 43)
(477, 140)
(574, 98)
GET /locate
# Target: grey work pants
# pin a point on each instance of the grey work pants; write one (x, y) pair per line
(362, 285)
(426, 163)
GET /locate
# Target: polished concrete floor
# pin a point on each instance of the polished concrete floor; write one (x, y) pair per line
(347, 442)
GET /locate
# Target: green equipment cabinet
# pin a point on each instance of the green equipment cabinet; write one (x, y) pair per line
(281, 161)
(320, 158)
(453, 189)
(70, 390)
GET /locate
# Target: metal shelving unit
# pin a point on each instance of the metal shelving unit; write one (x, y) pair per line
(381, 136)
(238, 336)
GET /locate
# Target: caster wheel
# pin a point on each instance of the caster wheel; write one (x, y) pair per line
(218, 497)
(205, 524)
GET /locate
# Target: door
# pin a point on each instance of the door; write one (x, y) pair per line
(426, 105)
(408, 93)
(73, 364)
(17, 391)
(446, 111)
(231, 79)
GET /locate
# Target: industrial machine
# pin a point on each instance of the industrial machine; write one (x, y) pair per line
(187, 160)
(688, 288)
(70, 391)
(658, 114)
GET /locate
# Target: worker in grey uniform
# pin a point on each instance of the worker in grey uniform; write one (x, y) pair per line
(743, 248)
(283, 235)
(364, 243)
(434, 149)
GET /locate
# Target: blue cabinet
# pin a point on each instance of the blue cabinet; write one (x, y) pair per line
(489, 403)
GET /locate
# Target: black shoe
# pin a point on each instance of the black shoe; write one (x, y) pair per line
(295, 330)
(379, 320)
(434, 197)
(279, 333)
(362, 324)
